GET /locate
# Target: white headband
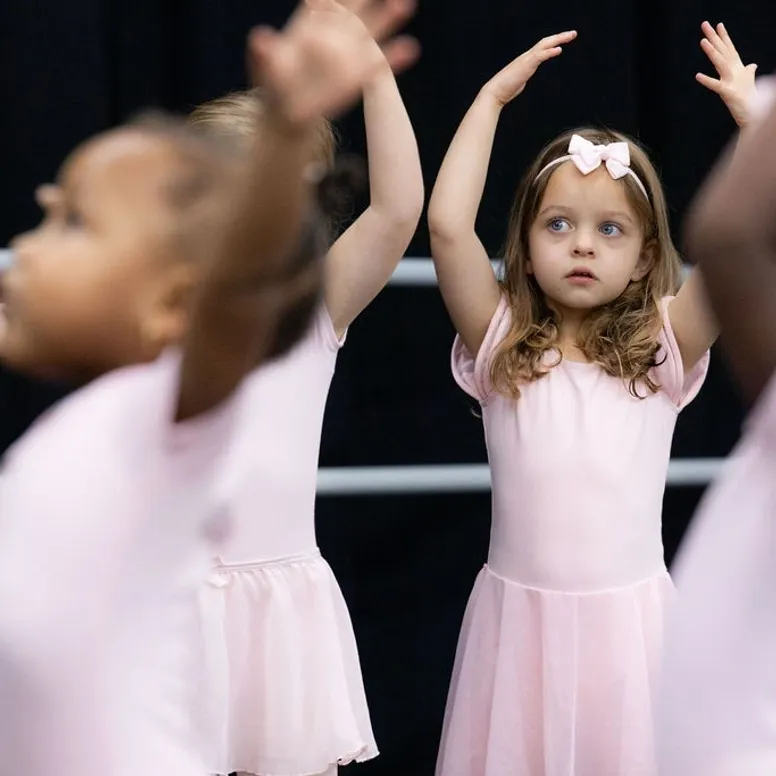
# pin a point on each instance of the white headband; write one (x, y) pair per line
(588, 157)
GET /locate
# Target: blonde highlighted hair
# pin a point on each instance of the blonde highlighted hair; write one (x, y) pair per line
(621, 337)
(238, 114)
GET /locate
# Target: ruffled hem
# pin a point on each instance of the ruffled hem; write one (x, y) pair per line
(282, 693)
(555, 683)
(367, 753)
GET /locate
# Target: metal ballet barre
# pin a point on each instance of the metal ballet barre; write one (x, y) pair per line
(468, 478)
(411, 272)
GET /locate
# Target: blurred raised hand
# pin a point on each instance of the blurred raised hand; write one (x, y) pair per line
(318, 63)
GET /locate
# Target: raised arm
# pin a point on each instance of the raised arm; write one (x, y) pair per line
(466, 279)
(316, 66)
(362, 260)
(692, 318)
(731, 233)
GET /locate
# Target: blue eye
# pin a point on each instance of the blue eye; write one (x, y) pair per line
(610, 230)
(557, 224)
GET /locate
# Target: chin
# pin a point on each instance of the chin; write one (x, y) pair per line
(21, 362)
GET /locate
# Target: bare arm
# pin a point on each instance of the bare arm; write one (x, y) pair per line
(316, 66)
(731, 233)
(362, 260)
(466, 279)
(693, 321)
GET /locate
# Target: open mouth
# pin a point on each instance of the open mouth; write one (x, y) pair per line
(581, 274)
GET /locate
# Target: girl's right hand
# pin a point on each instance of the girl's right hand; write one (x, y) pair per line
(509, 82)
(319, 62)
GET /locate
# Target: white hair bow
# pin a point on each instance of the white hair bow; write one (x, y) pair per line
(588, 157)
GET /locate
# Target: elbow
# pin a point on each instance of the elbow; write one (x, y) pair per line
(403, 213)
(446, 227)
(443, 234)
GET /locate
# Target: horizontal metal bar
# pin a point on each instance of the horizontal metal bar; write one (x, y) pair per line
(417, 272)
(468, 478)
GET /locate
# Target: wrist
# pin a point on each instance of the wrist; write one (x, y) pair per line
(382, 73)
(488, 99)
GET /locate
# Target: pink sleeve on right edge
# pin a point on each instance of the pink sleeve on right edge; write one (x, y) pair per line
(473, 374)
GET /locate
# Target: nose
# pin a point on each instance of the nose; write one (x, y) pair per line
(583, 244)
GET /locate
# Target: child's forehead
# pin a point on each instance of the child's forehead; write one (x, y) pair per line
(568, 187)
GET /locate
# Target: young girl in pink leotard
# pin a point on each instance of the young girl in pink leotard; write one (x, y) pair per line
(581, 358)
(283, 693)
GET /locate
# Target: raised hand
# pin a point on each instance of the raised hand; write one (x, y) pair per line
(319, 62)
(736, 82)
(509, 82)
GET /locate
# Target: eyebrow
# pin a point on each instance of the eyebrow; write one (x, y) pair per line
(620, 215)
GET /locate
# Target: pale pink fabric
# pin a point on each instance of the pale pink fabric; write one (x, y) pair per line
(556, 663)
(105, 521)
(282, 687)
(717, 710)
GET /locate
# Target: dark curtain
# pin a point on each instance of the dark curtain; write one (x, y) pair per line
(406, 563)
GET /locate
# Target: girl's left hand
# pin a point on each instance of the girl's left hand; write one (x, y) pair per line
(320, 61)
(736, 82)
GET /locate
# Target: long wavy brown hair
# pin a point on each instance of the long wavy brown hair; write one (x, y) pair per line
(621, 337)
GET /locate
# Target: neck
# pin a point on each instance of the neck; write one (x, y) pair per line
(570, 323)
(568, 331)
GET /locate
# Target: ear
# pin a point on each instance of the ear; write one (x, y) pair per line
(645, 263)
(165, 318)
(529, 267)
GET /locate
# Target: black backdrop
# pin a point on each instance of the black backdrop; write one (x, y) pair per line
(406, 564)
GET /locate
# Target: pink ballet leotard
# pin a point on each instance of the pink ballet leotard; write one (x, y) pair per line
(282, 687)
(557, 658)
(106, 519)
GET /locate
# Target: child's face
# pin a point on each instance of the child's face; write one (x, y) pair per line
(86, 284)
(586, 243)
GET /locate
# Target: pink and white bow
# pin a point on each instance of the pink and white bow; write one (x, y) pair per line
(588, 157)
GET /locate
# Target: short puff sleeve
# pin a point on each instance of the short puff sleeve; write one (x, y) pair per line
(473, 373)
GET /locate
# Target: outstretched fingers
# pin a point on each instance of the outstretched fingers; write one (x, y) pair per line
(712, 84)
(711, 35)
(718, 60)
(722, 34)
(384, 17)
(552, 42)
(551, 46)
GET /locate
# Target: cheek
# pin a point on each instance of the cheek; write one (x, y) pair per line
(546, 255)
(624, 260)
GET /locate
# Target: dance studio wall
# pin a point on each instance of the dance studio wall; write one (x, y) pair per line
(406, 563)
